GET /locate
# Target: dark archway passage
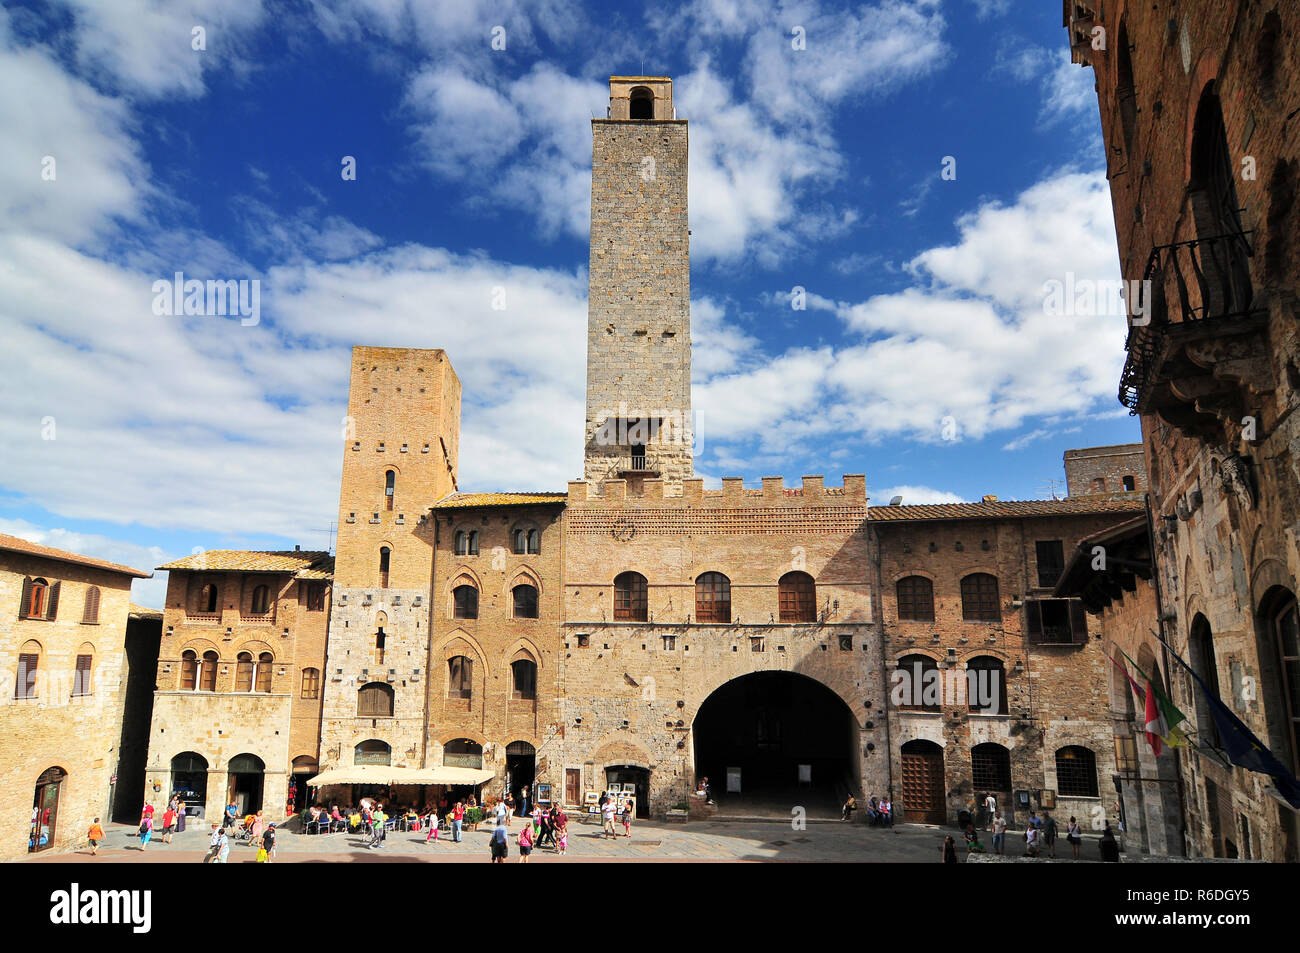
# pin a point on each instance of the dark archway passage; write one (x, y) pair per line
(773, 740)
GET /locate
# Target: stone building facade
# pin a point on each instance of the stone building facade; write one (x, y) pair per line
(63, 620)
(1195, 107)
(240, 679)
(1090, 471)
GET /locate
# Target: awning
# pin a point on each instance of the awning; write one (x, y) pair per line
(382, 774)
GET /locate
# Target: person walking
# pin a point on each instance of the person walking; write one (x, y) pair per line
(510, 808)
(268, 842)
(232, 812)
(562, 828)
(1109, 847)
(501, 811)
(214, 843)
(525, 843)
(95, 835)
(991, 805)
(1031, 840)
(146, 829)
(1049, 834)
(523, 802)
(433, 826)
(607, 812)
(379, 822)
(257, 829)
(457, 819)
(547, 830)
(223, 846)
(949, 850)
(1074, 836)
(627, 820)
(499, 845)
(169, 822)
(999, 828)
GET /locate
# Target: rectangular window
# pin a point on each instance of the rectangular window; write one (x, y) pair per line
(311, 683)
(316, 597)
(1055, 622)
(460, 677)
(81, 677)
(1051, 562)
(25, 687)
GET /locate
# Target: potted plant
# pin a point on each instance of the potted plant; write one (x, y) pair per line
(474, 817)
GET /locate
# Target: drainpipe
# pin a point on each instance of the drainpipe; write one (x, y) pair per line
(886, 708)
(1164, 656)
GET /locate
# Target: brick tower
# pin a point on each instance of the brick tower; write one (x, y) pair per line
(639, 308)
(399, 456)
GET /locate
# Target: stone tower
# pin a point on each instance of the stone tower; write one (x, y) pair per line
(399, 456)
(639, 298)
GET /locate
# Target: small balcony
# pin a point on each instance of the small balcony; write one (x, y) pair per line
(1201, 356)
(637, 465)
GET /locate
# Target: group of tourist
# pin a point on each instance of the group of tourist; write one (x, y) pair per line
(173, 822)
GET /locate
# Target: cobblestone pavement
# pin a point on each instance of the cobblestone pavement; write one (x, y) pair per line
(739, 840)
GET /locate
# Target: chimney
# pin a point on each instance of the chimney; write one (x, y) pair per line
(989, 498)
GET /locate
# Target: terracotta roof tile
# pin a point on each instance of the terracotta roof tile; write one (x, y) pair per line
(464, 500)
(15, 545)
(302, 563)
(1071, 506)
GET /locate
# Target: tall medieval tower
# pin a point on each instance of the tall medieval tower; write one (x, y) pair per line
(399, 456)
(639, 296)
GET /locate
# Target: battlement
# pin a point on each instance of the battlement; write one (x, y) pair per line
(812, 492)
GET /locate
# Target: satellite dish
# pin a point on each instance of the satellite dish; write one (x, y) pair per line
(896, 501)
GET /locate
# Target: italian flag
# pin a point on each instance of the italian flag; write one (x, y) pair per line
(1155, 721)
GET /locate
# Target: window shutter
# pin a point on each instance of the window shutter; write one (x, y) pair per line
(90, 614)
(1033, 620)
(52, 610)
(27, 597)
(1078, 622)
(81, 681)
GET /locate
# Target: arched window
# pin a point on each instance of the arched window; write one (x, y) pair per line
(265, 663)
(473, 542)
(372, 752)
(534, 542)
(375, 700)
(1284, 626)
(1130, 484)
(311, 683)
(90, 609)
(630, 597)
(465, 602)
(40, 599)
(390, 483)
(208, 672)
(1076, 772)
(916, 684)
(189, 670)
(1205, 664)
(460, 677)
(462, 753)
(1224, 269)
(520, 537)
(712, 598)
(384, 554)
(979, 598)
(990, 767)
(244, 672)
(81, 684)
(986, 685)
(797, 597)
(208, 598)
(915, 599)
(462, 543)
(261, 600)
(29, 663)
(525, 601)
(523, 677)
(641, 103)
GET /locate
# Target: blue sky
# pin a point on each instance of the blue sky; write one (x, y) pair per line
(817, 168)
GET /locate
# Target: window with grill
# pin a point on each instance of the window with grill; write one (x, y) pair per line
(979, 598)
(29, 661)
(990, 766)
(712, 598)
(90, 609)
(460, 677)
(1056, 622)
(465, 602)
(986, 685)
(81, 675)
(1076, 772)
(261, 600)
(915, 599)
(630, 598)
(311, 683)
(208, 673)
(189, 670)
(264, 666)
(244, 672)
(797, 597)
(375, 700)
(1050, 555)
(916, 684)
(525, 601)
(524, 676)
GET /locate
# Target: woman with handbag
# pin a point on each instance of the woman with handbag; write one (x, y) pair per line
(1074, 836)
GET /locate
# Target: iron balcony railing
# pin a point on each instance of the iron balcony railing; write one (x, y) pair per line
(1211, 281)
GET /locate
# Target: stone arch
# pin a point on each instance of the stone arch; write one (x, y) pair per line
(469, 734)
(198, 646)
(1267, 574)
(255, 646)
(524, 648)
(903, 574)
(621, 751)
(694, 709)
(918, 650)
(449, 648)
(525, 574)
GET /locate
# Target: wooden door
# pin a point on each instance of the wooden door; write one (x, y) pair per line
(573, 786)
(923, 788)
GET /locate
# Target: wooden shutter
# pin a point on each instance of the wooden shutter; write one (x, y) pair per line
(26, 602)
(1033, 620)
(52, 605)
(26, 684)
(90, 613)
(1078, 622)
(81, 681)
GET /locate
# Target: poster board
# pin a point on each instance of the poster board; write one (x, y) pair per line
(544, 794)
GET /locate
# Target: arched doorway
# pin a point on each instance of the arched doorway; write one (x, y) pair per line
(190, 780)
(771, 739)
(45, 809)
(923, 786)
(246, 778)
(521, 770)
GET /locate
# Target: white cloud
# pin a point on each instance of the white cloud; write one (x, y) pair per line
(912, 495)
(1066, 87)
